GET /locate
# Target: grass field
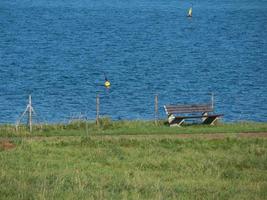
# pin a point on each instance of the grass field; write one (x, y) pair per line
(106, 164)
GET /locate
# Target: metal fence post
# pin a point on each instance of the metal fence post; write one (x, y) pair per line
(212, 100)
(156, 109)
(97, 109)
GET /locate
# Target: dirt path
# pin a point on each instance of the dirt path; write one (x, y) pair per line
(209, 136)
(253, 135)
(188, 136)
(9, 143)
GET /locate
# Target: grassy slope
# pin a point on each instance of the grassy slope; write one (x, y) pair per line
(95, 168)
(82, 167)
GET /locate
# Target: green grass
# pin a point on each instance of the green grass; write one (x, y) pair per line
(108, 127)
(86, 165)
(128, 168)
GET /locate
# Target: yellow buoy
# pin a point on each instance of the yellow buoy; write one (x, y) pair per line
(107, 84)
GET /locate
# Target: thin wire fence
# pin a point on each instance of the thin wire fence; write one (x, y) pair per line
(139, 107)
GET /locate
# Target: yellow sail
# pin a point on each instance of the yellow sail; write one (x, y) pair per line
(190, 12)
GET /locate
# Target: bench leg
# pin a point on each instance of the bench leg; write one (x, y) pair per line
(210, 120)
(204, 116)
(177, 122)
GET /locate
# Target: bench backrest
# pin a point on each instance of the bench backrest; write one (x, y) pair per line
(173, 109)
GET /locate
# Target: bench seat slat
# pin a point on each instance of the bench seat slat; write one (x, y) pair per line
(171, 109)
(187, 105)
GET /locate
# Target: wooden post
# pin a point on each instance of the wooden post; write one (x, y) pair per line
(30, 113)
(156, 109)
(97, 109)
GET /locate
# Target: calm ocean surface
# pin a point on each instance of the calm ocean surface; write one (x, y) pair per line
(59, 50)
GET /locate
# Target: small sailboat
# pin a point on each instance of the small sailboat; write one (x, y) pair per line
(190, 12)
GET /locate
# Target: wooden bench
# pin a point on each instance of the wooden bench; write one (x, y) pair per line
(196, 110)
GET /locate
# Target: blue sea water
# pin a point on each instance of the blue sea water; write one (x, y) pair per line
(59, 50)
